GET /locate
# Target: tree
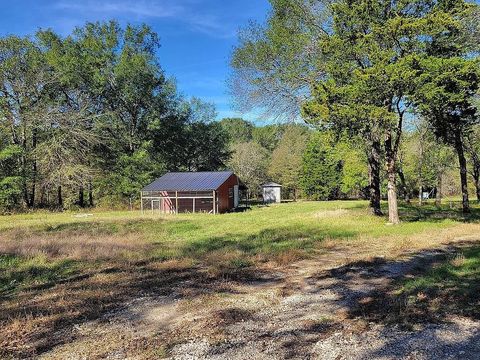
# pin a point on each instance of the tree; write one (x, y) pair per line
(286, 162)
(238, 130)
(131, 174)
(472, 144)
(446, 77)
(10, 179)
(90, 107)
(24, 83)
(249, 161)
(268, 136)
(348, 64)
(189, 139)
(445, 92)
(355, 176)
(425, 161)
(321, 170)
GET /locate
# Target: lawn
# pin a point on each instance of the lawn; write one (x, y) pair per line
(58, 269)
(451, 287)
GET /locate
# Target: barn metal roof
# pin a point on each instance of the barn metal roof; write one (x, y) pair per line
(189, 181)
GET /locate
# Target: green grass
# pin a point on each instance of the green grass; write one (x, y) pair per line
(17, 273)
(46, 247)
(452, 286)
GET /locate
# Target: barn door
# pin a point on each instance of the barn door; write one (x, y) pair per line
(236, 196)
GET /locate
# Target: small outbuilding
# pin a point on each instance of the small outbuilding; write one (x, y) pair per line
(272, 193)
(192, 192)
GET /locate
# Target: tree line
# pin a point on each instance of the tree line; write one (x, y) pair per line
(363, 69)
(324, 165)
(90, 118)
(308, 164)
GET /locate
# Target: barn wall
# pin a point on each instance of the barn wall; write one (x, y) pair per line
(225, 201)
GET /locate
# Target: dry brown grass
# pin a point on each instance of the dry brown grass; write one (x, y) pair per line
(72, 245)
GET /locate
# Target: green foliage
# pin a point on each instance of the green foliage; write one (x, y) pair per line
(95, 109)
(446, 89)
(268, 136)
(249, 161)
(10, 181)
(354, 167)
(321, 170)
(238, 130)
(286, 161)
(131, 174)
(10, 192)
(356, 67)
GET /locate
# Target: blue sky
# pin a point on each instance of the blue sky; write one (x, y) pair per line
(197, 36)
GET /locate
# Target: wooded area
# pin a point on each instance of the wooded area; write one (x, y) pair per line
(362, 68)
(91, 118)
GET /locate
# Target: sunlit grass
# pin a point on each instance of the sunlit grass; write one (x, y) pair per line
(66, 243)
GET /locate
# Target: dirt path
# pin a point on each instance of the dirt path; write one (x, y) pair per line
(307, 311)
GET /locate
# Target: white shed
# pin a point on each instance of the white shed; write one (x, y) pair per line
(272, 193)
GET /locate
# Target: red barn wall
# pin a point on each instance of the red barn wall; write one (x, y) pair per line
(225, 202)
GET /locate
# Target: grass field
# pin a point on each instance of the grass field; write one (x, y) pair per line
(58, 269)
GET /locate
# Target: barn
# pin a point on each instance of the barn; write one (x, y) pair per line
(192, 192)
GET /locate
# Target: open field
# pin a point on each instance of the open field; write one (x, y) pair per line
(119, 284)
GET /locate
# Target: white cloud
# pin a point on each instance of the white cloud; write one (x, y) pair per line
(186, 11)
(139, 8)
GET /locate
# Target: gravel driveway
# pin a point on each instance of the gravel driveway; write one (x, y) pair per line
(309, 310)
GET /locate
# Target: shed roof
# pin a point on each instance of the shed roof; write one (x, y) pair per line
(190, 181)
(271, 184)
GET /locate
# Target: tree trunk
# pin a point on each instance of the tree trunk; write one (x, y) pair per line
(374, 178)
(420, 195)
(81, 197)
(34, 170)
(31, 202)
(476, 174)
(393, 216)
(390, 155)
(463, 171)
(406, 194)
(59, 197)
(438, 196)
(476, 179)
(90, 195)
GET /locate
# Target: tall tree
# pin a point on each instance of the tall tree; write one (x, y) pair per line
(444, 96)
(346, 63)
(24, 82)
(286, 162)
(238, 130)
(472, 144)
(321, 170)
(249, 161)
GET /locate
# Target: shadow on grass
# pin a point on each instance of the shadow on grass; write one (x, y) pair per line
(15, 274)
(267, 241)
(416, 294)
(430, 212)
(99, 227)
(423, 288)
